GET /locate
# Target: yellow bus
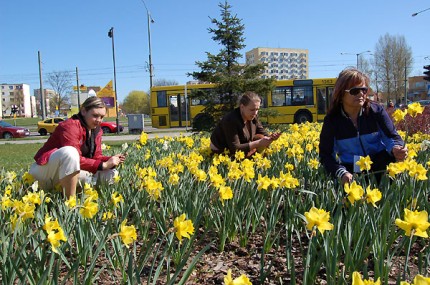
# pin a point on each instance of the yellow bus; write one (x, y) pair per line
(295, 101)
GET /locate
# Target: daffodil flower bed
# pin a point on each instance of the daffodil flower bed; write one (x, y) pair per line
(174, 204)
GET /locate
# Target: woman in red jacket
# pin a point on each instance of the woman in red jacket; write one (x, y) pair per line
(73, 152)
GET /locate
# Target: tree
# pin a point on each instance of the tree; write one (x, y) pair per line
(392, 61)
(165, 82)
(61, 83)
(223, 69)
(136, 102)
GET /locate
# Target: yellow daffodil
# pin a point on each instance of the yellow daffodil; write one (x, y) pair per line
(355, 192)
(143, 138)
(356, 280)
(239, 155)
(418, 172)
(107, 216)
(313, 163)
(71, 202)
(288, 181)
(89, 208)
(116, 198)
(127, 233)
(364, 163)
(414, 221)
(225, 193)
(373, 196)
(418, 280)
(318, 218)
(399, 115)
(183, 227)
(414, 109)
(116, 178)
(174, 179)
(27, 178)
(263, 182)
(242, 280)
(54, 232)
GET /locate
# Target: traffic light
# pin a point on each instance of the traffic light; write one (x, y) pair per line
(427, 72)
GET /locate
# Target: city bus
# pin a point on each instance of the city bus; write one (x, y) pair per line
(295, 101)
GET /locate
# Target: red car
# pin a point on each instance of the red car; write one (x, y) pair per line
(7, 131)
(110, 127)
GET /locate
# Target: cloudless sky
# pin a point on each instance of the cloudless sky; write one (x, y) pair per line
(72, 34)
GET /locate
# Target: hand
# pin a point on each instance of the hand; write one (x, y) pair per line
(400, 152)
(347, 178)
(114, 161)
(275, 136)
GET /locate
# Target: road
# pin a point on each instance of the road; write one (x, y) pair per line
(152, 133)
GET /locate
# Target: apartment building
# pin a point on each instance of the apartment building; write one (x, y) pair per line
(48, 94)
(15, 95)
(282, 63)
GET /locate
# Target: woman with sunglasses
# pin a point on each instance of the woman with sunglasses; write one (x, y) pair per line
(356, 126)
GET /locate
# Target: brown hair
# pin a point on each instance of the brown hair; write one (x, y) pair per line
(249, 96)
(349, 77)
(93, 102)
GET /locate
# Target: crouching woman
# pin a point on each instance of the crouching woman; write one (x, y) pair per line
(73, 152)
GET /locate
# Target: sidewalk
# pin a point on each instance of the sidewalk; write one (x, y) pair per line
(152, 133)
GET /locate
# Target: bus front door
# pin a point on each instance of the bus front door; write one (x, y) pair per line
(179, 111)
(324, 97)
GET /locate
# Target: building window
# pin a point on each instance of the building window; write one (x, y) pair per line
(10, 87)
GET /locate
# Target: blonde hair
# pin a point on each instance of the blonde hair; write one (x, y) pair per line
(93, 102)
(249, 96)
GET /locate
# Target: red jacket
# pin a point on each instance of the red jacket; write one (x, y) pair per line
(72, 133)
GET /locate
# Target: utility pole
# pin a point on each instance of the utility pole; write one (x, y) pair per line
(406, 82)
(42, 97)
(77, 85)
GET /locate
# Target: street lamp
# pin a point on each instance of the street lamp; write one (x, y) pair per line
(357, 54)
(110, 35)
(414, 14)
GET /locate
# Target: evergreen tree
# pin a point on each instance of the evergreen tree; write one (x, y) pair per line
(231, 78)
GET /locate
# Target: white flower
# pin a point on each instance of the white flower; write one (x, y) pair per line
(165, 145)
(425, 144)
(35, 186)
(103, 146)
(124, 146)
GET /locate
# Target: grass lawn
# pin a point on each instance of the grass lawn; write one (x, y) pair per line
(18, 156)
(15, 157)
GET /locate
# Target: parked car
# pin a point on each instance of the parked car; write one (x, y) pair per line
(49, 125)
(424, 102)
(110, 127)
(7, 131)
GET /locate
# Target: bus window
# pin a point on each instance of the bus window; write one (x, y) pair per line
(281, 96)
(302, 95)
(162, 98)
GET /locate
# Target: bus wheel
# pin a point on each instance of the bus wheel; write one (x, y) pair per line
(302, 117)
(202, 122)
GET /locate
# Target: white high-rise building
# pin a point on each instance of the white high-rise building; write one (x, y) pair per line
(15, 95)
(282, 63)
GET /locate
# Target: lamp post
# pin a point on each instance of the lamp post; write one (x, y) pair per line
(110, 35)
(356, 54)
(414, 14)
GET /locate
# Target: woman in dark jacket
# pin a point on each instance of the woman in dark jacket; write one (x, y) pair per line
(356, 126)
(73, 151)
(241, 130)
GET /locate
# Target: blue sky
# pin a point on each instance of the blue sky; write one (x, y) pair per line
(72, 34)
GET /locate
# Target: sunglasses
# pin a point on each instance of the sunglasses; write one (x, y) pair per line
(356, 90)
